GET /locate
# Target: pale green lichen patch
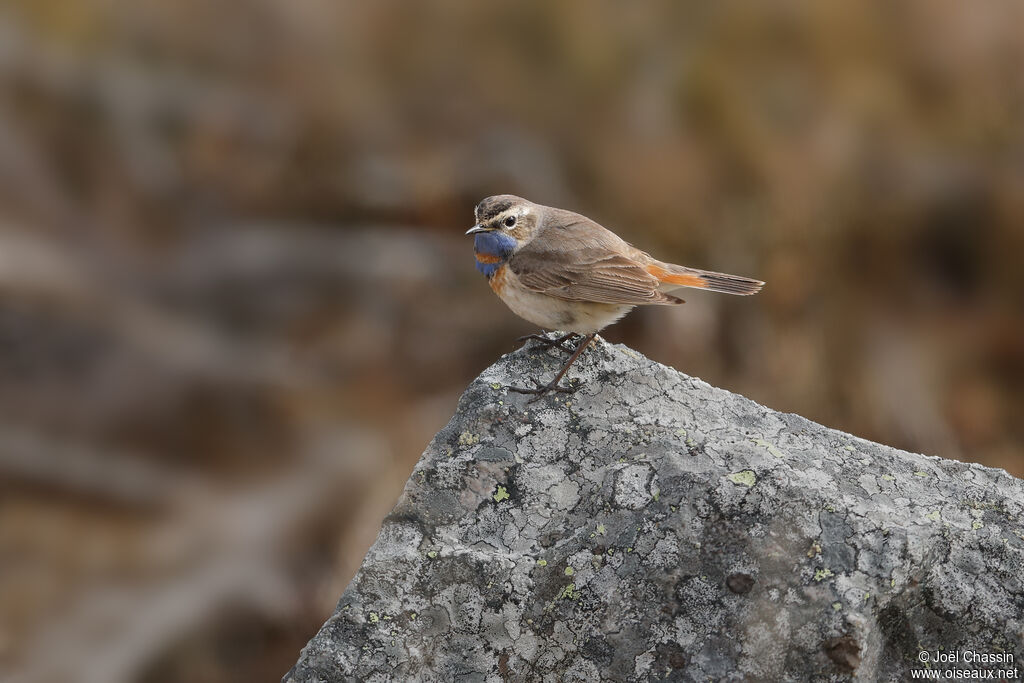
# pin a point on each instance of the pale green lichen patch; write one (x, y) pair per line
(495, 386)
(979, 506)
(770, 447)
(744, 477)
(934, 515)
(920, 473)
(822, 574)
(374, 618)
(492, 596)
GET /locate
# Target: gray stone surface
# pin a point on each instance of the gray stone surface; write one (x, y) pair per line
(651, 526)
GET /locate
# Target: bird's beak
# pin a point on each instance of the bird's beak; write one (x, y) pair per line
(475, 229)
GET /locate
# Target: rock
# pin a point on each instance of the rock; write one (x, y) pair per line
(651, 526)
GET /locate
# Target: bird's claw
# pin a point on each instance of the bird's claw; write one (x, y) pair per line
(543, 389)
(548, 342)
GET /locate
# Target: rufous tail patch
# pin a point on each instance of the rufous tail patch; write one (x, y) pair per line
(681, 279)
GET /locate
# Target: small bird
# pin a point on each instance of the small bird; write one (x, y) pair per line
(563, 271)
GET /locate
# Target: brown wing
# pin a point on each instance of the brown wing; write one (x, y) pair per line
(575, 259)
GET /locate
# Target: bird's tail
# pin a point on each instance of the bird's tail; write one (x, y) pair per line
(672, 276)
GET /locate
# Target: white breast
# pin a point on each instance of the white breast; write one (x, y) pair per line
(551, 313)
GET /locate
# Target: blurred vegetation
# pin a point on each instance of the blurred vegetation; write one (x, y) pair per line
(235, 302)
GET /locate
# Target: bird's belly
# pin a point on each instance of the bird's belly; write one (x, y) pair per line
(581, 317)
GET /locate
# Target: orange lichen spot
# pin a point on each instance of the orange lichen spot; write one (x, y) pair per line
(681, 279)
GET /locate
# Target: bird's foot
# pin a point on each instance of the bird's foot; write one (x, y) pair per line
(550, 343)
(553, 385)
(543, 389)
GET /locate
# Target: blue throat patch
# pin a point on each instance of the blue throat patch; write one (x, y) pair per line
(496, 245)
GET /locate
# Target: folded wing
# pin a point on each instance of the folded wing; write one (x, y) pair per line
(584, 262)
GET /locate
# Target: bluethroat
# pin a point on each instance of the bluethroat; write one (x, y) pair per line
(563, 271)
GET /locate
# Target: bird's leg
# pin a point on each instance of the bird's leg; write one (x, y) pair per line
(551, 343)
(553, 384)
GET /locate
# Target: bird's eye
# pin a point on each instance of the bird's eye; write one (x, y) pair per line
(510, 221)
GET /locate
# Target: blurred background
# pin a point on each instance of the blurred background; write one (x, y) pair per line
(236, 302)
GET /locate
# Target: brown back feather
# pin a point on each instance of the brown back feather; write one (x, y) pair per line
(573, 258)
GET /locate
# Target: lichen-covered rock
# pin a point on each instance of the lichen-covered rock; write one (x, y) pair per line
(650, 526)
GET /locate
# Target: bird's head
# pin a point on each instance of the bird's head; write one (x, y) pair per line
(504, 223)
(508, 215)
